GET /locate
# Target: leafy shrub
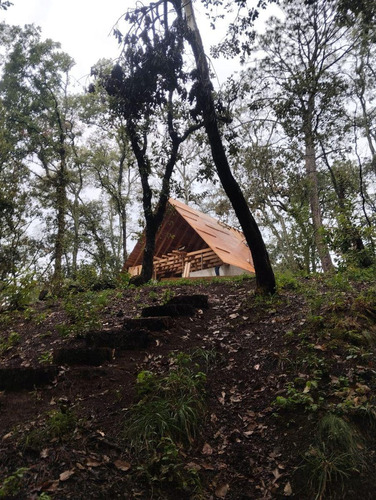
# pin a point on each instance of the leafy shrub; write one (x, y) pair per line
(12, 484)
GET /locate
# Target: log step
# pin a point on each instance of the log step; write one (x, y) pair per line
(199, 301)
(19, 378)
(95, 356)
(120, 339)
(173, 310)
(155, 324)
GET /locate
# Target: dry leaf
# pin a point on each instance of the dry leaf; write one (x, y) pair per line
(44, 453)
(207, 449)
(64, 476)
(319, 347)
(193, 466)
(7, 436)
(287, 490)
(222, 490)
(50, 486)
(207, 466)
(222, 398)
(276, 475)
(93, 463)
(256, 367)
(122, 465)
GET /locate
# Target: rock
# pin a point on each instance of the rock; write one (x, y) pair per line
(18, 378)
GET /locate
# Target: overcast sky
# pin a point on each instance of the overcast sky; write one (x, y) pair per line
(84, 29)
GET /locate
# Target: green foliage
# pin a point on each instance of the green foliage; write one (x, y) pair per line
(287, 281)
(87, 278)
(166, 466)
(18, 294)
(83, 310)
(170, 407)
(61, 423)
(296, 398)
(166, 418)
(12, 340)
(46, 358)
(167, 295)
(11, 485)
(336, 454)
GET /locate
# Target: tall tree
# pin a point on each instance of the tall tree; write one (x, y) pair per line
(149, 90)
(303, 53)
(34, 88)
(205, 106)
(155, 73)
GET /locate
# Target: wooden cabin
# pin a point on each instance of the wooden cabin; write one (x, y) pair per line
(192, 244)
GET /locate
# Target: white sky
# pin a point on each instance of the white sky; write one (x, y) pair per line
(84, 29)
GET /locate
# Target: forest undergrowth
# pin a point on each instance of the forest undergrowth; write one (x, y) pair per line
(253, 397)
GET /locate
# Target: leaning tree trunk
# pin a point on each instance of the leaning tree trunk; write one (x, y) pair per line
(265, 280)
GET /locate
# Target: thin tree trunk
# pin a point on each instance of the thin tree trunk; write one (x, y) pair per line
(61, 202)
(313, 193)
(265, 280)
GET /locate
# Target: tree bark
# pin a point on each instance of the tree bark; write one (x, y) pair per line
(265, 280)
(61, 207)
(313, 193)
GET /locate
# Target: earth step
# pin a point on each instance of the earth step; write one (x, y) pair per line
(119, 339)
(22, 377)
(172, 310)
(95, 356)
(155, 324)
(196, 300)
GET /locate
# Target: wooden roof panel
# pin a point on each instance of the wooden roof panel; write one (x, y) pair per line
(186, 227)
(228, 243)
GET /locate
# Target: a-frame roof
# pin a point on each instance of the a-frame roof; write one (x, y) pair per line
(185, 227)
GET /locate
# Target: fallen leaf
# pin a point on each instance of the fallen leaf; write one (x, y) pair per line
(122, 465)
(207, 466)
(319, 347)
(7, 436)
(276, 475)
(192, 466)
(222, 490)
(233, 316)
(222, 398)
(50, 486)
(256, 367)
(93, 463)
(207, 449)
(64, 476)
(44, 453)
(287, 490)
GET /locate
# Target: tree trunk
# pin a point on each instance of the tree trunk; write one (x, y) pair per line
(313, 193)
(61, 207)
(265, 280)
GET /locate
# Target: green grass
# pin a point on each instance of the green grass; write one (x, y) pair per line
(170, 406)
(335, 456)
